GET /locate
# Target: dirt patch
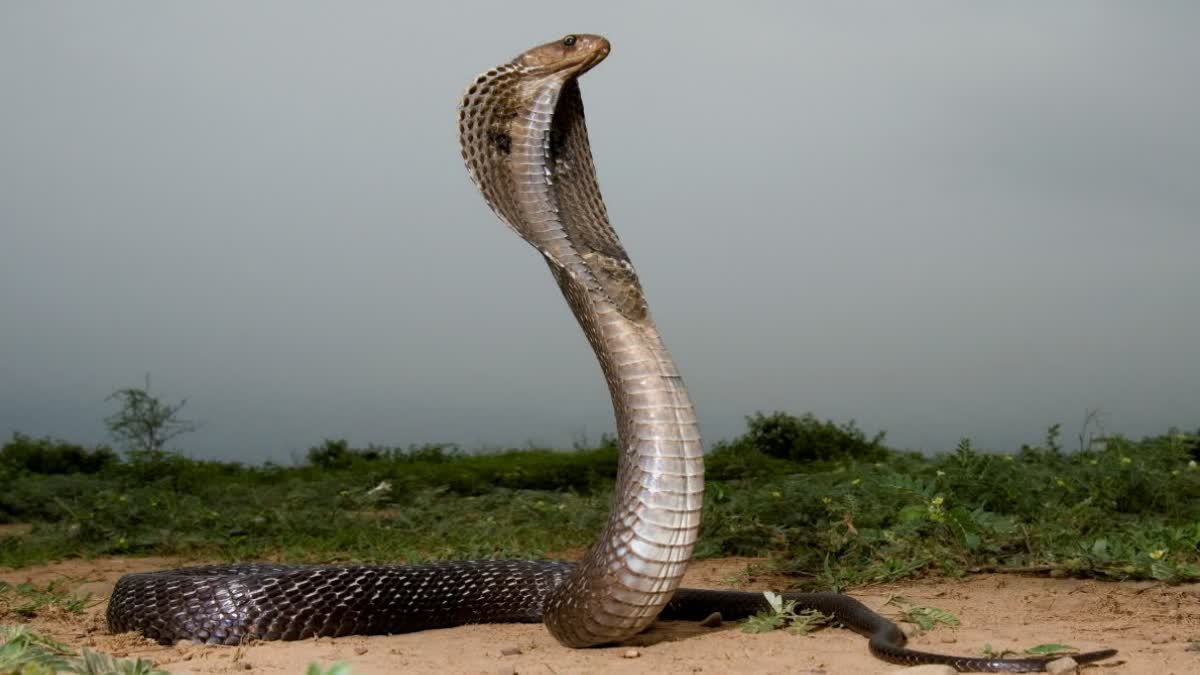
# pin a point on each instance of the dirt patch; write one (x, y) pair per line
(1150, 623)
(15, 529)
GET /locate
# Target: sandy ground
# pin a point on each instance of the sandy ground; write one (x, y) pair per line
(1152, 624)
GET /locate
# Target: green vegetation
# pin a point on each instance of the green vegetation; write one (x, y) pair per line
(24, 652)
(922, 616)
(829, 505)
(27, 600)
(339, 668)
(1048, 649)
(783, 614)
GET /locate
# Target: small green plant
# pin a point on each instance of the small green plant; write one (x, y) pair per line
(1048, 649)
(340, 668)
(924, 617)
(27, 653)
(783, 614)
(27, 600)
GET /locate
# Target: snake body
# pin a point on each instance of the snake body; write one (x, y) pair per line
(525, 144)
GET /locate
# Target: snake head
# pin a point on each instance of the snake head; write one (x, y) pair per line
(571, 55)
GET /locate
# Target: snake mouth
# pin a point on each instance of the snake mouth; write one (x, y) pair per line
(569, 57)
(596, 49)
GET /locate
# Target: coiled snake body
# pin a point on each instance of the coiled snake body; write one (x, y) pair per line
(523, 138)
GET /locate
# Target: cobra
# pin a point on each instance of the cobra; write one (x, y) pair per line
(525, 143)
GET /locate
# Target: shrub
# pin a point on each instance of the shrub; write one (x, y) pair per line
(50, 456)
(332, 454)
(806, 438)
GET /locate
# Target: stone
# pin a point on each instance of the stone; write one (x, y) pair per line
(1062, 666)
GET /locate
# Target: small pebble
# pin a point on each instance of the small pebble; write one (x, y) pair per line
(246, 666)
(510, 651)
(631, 654)
(360, 650)
(948, 639)
(1062, 666)
(712, 620)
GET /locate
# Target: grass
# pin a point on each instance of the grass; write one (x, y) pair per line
(27, 600)
(24, 652)
(1129, 510)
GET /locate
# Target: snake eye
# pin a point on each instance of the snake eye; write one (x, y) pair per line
(569, 41)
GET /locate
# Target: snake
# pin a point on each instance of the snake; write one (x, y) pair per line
(525, 144)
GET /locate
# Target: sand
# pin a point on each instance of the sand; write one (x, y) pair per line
(1151, 623)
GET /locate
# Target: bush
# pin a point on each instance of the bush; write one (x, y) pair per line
(803, 439)
(332, 454)
(50, 456)
(740, 459)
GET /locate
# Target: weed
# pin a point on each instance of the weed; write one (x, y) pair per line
(339, 668)
(924, 617)
(27, 653)
(28, 600)
(783, 614)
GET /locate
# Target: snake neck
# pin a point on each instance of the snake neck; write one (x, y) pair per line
(636, 564)
(632, 570)
(526, 146)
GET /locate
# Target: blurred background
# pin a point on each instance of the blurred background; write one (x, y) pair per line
(939, 219)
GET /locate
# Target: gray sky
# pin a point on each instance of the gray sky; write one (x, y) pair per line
(943, 219)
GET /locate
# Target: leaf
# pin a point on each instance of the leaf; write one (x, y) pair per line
(763, 622)
(1050, 648)
(925, 617)
(774, 600)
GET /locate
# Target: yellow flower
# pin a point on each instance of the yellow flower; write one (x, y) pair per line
(776, 493)
(856, 481)
(1158, 554)
(938, 500)
(941, 473)
(1060, 482)
(1126, 460)
(826, 500)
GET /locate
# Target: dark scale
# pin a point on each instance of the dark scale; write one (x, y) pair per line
(501, 140)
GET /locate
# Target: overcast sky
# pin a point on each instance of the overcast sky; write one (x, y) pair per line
(942, 219)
